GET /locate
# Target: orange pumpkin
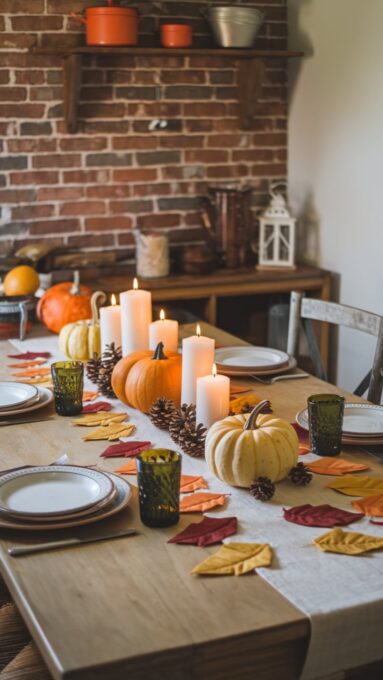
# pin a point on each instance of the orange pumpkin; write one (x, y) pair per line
(150, 377)
(121, 372)
(64, 303)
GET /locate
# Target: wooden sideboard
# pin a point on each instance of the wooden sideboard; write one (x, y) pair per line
(210, 289)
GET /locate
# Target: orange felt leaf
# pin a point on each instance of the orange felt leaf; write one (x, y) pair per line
(199, 502)
(238, 389)
(303, 449)
(32, 373)
(334, 466)
(370, 505)
(192, 483)
(89, 395)
(129, 468)
(28, 364)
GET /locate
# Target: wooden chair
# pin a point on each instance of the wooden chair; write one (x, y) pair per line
(304, 310)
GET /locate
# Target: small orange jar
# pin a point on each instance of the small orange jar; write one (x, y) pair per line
(176, 35)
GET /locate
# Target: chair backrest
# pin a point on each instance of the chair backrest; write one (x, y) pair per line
(304, 310)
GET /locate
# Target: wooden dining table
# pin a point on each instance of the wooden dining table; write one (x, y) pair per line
(130, 608)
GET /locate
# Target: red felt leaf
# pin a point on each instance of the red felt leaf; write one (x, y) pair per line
(125, 449)
(207, 532)
(97, 406)
(374, 521)
(30, 355)
(320, 516)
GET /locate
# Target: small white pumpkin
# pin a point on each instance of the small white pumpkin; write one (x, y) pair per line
(241, 448)
(80, 340)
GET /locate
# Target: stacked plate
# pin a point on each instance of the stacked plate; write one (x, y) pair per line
(59, 496)
(362, 424)
(20, 398)
(249, 359)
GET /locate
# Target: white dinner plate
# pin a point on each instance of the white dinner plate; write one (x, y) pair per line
(120, 502)
(251, 371)
(45, 397)
(250, 358)
(359, 420)
(52, 490)
(15, 394)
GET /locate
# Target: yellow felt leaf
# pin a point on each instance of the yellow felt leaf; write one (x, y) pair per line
(129, 468)
(357, 486)
(334, 466)
(192, 483)
(370, 505)
(243, 404)
(100, 418)
(236, 558)
(199, 502)
(44, 380)
(347, 542)
(89, 395)
(111, 432)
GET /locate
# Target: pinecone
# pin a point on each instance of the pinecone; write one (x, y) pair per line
(192, 438)
(161, 412)
(181, 417)
(299, 475)
(92, 368)
(263, 489)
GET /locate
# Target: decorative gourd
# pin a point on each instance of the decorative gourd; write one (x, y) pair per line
(64, 303)
(152, 377)
(122, 369)
(241, 448)
(21, 280)
(80, 340)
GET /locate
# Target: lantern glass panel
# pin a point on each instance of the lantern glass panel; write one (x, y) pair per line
(269, 241)
(284, 242)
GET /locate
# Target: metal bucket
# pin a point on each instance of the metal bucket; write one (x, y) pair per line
(235, 26)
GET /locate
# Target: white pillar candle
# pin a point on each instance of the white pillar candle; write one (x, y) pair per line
(197, 360)
(136, 315)
(110, 325)
(213, 397)
(166, 331)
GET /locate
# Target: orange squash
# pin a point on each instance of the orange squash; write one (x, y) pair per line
(64, 303)
(122, 369)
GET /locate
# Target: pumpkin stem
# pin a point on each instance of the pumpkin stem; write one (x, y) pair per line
(159, 352)
(76, 283)
(263, 407)
(98, 295)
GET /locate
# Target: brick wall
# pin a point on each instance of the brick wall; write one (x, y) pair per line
(90, 189)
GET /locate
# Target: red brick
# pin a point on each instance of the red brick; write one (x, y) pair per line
(135, 142)
(107, 223)
(13, 94)
(24, 145)
(255, 155)
(205, 109)
(57, 161)
(155, 221)
(30, 77)
(17, 195)
(183, 76)
(154, 110)
(53, 226)
(226, 171)
(199, 125)
(38, 23)
(114, 191)
(160, 189)
(95, 94)
(21, 110)
(273, 139)
(126, 239)
(83, 208)
(37, 178)
(230, 141)
(31, 212)
(59, 193)
(182, 141)
(45, 94)
(135, 175)
(83, 143)
(206, 156)
(131, 206)
(4, 77)
(19, 6)
(17, 40)
(86, 176)
(99, 110)
(91, 241)
(270, 170)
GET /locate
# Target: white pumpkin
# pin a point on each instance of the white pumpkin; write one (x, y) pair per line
(241, 448)
(80, 340)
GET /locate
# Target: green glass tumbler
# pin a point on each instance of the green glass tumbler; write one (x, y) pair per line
(325, 423)
(158, 476)
(68, 385)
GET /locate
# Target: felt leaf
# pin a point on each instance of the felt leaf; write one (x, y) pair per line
(129, 468)
(238, 389)
(32, 372)
(126, 449)
(357, 486)
(370, 505)
(29, 355)
(100, 418)
(27, 364)
(302, 449)
(236, 558)
(89, 395)
(334, 466)
(199, 502)
(44, 381)
(320, 515)
(374, 521)
(192, 483)
(208, 532)
(111, 432)
(347, 542)
(243, 404)
(97, 406)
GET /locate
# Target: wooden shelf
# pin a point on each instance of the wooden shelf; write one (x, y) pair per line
(250, 71)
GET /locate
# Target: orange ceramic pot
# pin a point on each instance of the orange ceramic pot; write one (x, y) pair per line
(113, 25)
(176, 35)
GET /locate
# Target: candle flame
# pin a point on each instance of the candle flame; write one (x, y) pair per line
(113, 300)
(162, 315)
(198, 330)
(214, 370)
(135, 284)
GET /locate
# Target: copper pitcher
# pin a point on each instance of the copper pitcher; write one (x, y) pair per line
(228, 213)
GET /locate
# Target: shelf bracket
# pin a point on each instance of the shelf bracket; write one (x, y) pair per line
(250, 80)
(72, 67)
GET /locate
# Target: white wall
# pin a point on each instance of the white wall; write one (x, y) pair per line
(336, 154)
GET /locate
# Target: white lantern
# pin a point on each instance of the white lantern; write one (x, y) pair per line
(277, 234)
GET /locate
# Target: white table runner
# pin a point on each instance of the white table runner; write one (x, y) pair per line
(342, 596)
